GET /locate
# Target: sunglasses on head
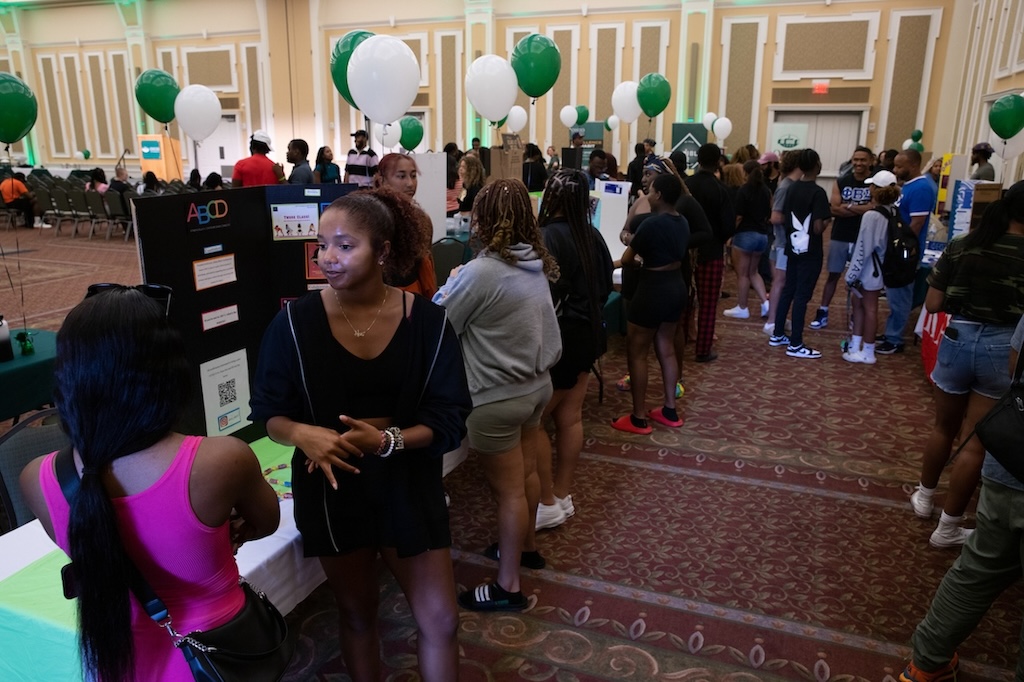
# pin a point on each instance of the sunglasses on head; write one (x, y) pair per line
(157, 292)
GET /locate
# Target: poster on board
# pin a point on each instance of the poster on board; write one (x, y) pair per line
(225, 390)
(787, 136)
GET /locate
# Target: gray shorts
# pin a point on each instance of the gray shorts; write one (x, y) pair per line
(497, 427)
(839, 255)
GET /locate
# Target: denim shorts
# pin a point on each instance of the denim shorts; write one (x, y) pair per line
(839, 255)
(496, 427)
(976, 360)
(750, 241)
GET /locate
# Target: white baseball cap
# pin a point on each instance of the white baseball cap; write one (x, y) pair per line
(262, 136)
(882, 178)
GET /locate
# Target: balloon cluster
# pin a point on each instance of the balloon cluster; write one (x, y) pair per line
(720, 127)
(196, 107)
(1006, 119)
(380, 76)
(650, 96)
(914, 141)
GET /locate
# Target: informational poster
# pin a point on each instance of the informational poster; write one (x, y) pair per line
(225, 390)
(688, 138)
(787, 136)
(212, 272)
(295, 221)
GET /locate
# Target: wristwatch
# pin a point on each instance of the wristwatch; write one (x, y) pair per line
(399, 438)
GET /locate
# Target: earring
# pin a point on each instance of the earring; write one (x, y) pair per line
(380, 262)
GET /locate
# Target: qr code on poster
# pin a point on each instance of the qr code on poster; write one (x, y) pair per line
(227, 392)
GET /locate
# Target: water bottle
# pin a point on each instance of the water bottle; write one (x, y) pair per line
(6, 349)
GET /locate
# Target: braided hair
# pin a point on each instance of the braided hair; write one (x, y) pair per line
(503, 217)
(567, 196)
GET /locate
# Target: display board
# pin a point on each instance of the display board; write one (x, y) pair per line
(688, 138)
(233, 258)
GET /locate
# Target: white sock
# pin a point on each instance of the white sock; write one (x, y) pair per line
(823, 308)
(855, 344)
(869, 352)
(925, 493)
(950, 520)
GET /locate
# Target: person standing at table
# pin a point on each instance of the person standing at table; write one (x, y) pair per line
(361, 163)
(149, 496)
(367, 382)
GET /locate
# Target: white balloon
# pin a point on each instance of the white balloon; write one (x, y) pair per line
(383, 77)
(624, 102)
(567, 116)
(907, 142)
(389, 135)
(491, 86)
(722, 128)
(709, 120)
(197, 110)
(516, 119)
(613, 122)
(80, 156)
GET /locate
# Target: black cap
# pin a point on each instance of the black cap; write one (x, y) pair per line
(360, 132)
(577, 134)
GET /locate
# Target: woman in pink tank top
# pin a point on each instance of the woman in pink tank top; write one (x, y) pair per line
(171, 504)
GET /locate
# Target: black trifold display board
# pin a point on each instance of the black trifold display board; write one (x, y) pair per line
(233, 258)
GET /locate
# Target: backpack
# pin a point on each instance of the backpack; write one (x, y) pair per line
(902, 252)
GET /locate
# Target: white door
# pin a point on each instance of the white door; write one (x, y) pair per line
(834, 135)
(219, 152)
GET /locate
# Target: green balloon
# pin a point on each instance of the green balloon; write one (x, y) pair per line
(916, 135)
(582, 114)
(498, 124)
(1006, 117)
(653, 93)
(606, 126)
(536, 61)
(86, 153)
(342, 53)
(916, 146)
(18, 108)
(412, 132)
(155, 91)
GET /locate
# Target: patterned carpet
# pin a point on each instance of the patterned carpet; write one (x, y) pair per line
(770, 538)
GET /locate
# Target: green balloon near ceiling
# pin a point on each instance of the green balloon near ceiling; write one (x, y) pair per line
(582, 114)
(18, 108)
(916, 135)
(86, 154)
(340, 57)
(155, 91)
(1006, 117)
(537, 62)
(653, 93)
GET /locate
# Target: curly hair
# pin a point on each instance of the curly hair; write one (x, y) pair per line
(389, 217)
(503, 217)
(474, 171)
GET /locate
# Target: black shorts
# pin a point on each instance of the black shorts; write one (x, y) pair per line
(579, 351)
(660, 297)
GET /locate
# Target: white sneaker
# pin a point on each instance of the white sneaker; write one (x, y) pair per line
(549, 516)
(868, 359)
(769, 328)
(566, 504)
(949, 535)
(853, 356)
(921, 505)
(764, 309)
(802, 351)
(737, 312)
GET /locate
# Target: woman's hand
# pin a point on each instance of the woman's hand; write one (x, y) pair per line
(362, 437)
(325, 448)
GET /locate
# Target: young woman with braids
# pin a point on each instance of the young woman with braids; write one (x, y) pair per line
(500, 306)
(149, 495)
(399, 173)
(585, 280)
(367, 382)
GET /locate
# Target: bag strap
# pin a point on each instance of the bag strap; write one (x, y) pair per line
(70, 483)
(1018, 369)
(298, 354)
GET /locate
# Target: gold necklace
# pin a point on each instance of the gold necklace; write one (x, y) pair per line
(361, 334)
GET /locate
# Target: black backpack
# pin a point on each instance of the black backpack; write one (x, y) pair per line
(902, 252)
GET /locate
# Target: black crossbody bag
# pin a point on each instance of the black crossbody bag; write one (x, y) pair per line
(252, 646)
(1001, 431)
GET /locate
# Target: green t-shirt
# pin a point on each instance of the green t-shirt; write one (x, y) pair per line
(984, 285)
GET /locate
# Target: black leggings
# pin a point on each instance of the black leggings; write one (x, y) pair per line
(801, 276)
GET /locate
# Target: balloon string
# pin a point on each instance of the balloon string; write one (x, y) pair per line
(533, 101)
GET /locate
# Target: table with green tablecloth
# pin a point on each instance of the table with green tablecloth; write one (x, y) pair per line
(26, 382)
(37, 625)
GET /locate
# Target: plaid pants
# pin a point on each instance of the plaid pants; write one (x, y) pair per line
(708, 278)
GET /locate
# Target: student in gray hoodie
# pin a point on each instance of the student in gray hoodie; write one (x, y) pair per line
(500, 306)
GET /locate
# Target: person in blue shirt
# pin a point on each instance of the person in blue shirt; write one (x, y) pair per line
(916, 205)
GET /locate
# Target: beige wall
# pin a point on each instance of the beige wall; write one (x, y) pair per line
(932, 64)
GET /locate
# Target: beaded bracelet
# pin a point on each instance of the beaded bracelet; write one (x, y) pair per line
(381, 451)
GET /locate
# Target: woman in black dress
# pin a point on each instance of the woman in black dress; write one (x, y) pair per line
(367, 382)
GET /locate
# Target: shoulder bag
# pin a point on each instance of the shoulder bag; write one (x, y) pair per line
(253, 646)
(1001, 431)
